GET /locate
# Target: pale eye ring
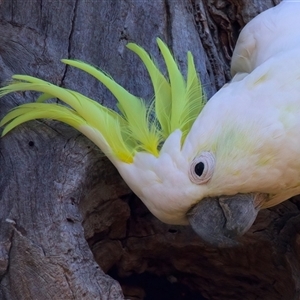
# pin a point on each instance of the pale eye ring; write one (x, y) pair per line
(202, 168)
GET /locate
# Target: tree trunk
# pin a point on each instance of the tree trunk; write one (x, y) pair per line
(69, 224)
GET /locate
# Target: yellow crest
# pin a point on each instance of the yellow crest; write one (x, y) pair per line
(176, 105)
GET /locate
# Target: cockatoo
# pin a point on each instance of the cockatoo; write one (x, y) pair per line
(212, 165)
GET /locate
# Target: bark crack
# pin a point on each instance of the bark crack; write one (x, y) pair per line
(74, 15)
(5, 248)
(169, 24)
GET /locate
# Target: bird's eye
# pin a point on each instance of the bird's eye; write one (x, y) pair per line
(202, 168)
(199, 168)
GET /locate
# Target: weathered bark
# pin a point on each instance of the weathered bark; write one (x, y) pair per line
(65, 211)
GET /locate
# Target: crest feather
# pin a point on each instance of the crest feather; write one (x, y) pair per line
(162, 90)
(177, 104)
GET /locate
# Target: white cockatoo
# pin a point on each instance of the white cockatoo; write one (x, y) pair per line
(212, 166)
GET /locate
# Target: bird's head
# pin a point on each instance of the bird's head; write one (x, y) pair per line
(163, 150)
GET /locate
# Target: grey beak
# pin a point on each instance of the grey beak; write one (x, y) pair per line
(218, 221)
